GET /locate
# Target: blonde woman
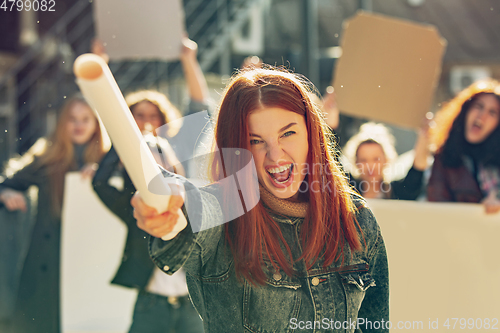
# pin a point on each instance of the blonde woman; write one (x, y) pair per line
(371, 151)
(77, 144)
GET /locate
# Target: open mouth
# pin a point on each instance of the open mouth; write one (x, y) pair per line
(476, 127)
(281, 175)
(477, 124)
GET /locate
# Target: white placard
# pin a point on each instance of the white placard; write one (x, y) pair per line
(140, 29)
(93, 240)
(443, 263)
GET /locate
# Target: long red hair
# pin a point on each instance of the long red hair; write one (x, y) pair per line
(330, 221)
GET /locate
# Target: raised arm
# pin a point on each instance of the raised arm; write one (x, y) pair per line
(410, 187)
(421, 148)
(330, 108)
(197, 85)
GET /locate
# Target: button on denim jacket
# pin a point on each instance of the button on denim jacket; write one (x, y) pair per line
(320, 299)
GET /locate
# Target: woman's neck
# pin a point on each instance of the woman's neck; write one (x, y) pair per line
(286, 207)
(372, 190)
(79, 155)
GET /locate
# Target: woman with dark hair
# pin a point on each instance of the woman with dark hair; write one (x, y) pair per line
(467, 140)
(77, 144)
(308, 254)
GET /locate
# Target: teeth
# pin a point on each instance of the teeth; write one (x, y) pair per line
(283, 182)
(280, 169)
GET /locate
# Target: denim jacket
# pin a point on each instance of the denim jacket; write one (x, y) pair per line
(320, 299)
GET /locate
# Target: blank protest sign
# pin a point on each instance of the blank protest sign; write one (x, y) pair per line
(443, 263)
(92, 243)
(389, 69)
(140, 29)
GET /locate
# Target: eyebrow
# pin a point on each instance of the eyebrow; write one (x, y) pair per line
(281, 130)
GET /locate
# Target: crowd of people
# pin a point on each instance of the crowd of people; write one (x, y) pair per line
(305, 249)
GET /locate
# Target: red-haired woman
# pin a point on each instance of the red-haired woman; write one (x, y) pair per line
(308, 255)
(77, 144)
(467, 139)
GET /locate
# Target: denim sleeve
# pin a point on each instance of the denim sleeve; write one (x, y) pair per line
(375, 306)
(191, 250)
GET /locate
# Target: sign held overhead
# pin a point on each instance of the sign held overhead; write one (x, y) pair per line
(389, 69)
(140, 30)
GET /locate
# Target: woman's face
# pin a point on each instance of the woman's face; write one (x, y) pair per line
(82, 123)
(482, 118)
(279, 145)
(147, 116)
(371, 161)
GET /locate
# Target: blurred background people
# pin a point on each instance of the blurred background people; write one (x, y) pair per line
(77, 144)
(371, 154)
(467, 143)
(163, 304)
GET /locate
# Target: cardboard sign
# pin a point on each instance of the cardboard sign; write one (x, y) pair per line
(389, 69)
(443, 264)
(92, 244)
(140, 29)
